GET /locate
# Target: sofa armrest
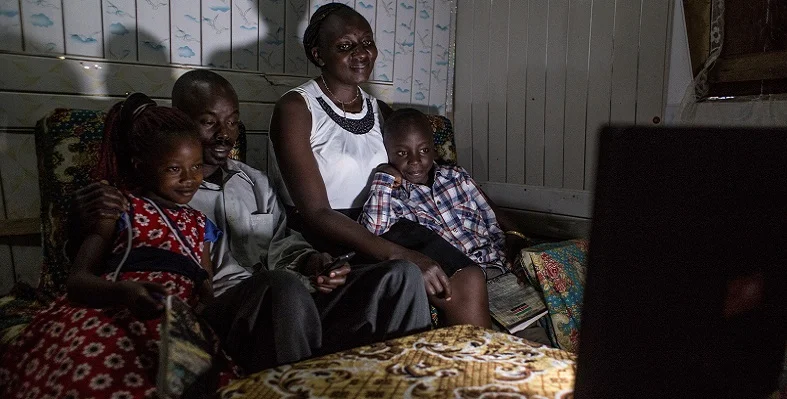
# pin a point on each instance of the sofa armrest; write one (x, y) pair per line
(20, 227)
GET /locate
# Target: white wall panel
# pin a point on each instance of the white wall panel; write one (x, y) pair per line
(463, 104)
(83, 30)
(422, 53)
(624, 61)
(153, 34)
(385, 37)
(120, 29)
(245, 31)
(480, 76)
(536, 79)
(577, 51)
(186, 32)
(403, 51)
(537, 25)
(216, 34)
(555, 100)
(516, 95)
(599, 82)
(653, 64)
(10, 26)
(42, 26)
(297, 19)
(498, 82)
(272, 35)
(441, 33)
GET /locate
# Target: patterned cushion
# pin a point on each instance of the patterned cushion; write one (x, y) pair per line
(443, 139)
(17, 309)
(454, 362)
(67, 145)
(558, 269)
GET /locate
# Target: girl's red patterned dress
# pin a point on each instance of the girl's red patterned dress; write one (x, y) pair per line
(71, 351)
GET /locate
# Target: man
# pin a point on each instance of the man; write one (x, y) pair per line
(272, 305)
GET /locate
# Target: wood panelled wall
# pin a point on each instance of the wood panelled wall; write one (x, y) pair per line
(90, 53)
(535, 79)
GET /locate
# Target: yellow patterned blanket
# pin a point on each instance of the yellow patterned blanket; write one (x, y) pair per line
(453, 362)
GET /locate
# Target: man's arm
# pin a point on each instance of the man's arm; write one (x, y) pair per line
(89, 205)
(379, 214)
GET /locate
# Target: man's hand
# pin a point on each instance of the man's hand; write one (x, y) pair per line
(97, 201)
(435, 280)
(326, 283)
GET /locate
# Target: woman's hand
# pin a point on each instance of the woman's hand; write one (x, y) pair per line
(98, 201)
(144, 299)
(389, 169)
(326, 283)
(435, 280)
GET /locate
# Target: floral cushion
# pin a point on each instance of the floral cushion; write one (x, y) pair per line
(67, 146)
(454, 362)
(558, 270)
(443, 139)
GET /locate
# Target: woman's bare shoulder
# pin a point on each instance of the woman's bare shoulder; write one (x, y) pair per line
(291, 101)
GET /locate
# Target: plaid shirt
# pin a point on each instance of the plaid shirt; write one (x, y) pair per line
(453, 207)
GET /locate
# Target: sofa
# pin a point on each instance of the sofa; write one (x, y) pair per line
(462, 361)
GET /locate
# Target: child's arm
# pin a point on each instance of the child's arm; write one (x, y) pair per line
(507, 235)
(85, 286)
(206, 289)
(379, 213)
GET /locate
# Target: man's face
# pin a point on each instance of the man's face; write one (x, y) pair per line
(176, 174)
(412, 152)
(215, 109)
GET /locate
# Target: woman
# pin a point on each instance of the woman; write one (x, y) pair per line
(327, 140)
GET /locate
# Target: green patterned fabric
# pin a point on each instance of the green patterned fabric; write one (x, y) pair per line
(558, 270)
(67, 146)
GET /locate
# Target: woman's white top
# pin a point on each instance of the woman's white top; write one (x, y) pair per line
(346, 160)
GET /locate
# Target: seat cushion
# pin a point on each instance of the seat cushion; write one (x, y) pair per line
(67, 147)
(443, 139)
(558, 270)
(454, 362)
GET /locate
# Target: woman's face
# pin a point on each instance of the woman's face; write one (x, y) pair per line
(346, 48)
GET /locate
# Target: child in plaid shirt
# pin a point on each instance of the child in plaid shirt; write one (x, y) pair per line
(440, 212)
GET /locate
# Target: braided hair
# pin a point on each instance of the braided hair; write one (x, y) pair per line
(138, 127)
(311, 37)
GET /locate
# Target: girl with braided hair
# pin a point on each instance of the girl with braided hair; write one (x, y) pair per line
(101, 339)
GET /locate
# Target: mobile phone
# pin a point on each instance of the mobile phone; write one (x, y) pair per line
(336, 263)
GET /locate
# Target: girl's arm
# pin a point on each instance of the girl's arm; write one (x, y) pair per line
(84, 285)
(206, 290)
(289, 132)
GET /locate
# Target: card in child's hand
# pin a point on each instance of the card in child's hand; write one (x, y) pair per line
(185, 349)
